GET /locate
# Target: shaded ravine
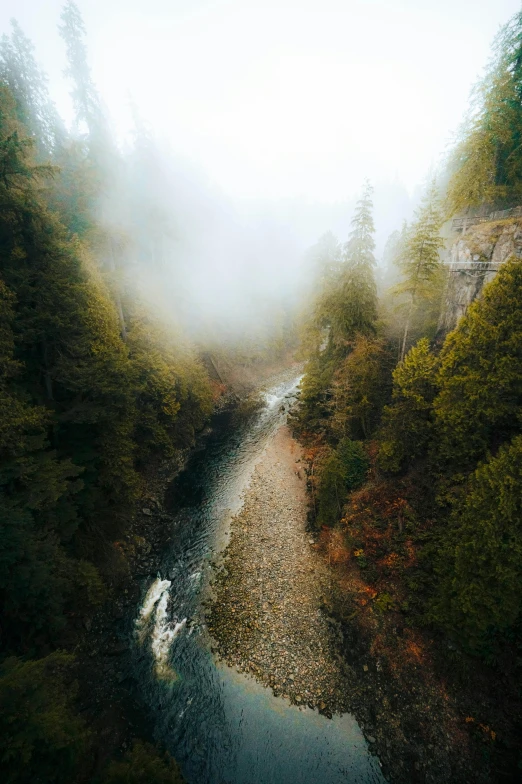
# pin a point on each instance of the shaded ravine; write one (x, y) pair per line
(221, 725)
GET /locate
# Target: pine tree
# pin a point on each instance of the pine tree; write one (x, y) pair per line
(74, 189)
(173, 394)
(486, 164)
(90, 163)
(315, 407)
(344, 469)
(480, 377)
(353, 306)
(420, 257)
(322, 262)
(407, 421)
(86, 101)
(480, 562)
(345, 309)
(360, 388)
(28, 85)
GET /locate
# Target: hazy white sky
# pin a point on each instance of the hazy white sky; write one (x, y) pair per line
(283, 100)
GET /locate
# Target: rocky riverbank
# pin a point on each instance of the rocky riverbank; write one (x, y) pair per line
(267, 616)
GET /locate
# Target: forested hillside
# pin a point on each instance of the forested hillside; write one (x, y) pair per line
(93, 387)
(414, 443)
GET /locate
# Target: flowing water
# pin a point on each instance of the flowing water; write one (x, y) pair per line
(223, 727)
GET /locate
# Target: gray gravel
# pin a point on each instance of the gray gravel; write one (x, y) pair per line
(267, 617)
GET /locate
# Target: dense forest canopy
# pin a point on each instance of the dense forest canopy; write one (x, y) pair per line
(117, 283)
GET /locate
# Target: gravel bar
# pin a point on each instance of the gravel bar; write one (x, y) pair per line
(267, 615)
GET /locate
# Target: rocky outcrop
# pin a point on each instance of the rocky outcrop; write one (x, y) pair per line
(473, 261)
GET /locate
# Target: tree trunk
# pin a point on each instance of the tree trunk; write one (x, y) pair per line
(406, 330)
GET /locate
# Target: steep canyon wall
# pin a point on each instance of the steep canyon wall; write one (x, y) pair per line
(473, 260)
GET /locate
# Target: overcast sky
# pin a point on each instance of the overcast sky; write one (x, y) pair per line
(280, 101)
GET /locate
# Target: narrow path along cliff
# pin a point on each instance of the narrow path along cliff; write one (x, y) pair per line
(267, 616)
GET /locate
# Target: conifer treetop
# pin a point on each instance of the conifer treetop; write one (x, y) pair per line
(85, 97)
(359, 250)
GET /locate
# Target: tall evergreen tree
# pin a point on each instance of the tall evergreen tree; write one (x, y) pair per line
(323, 262)
(354, 305)
(407, 421)
(420, 257)
(28, 85)
(91, 164)
(345, 309)
(486, 164)
(480, 562)
(86, 101)
(478, 406)
(360, 388)
(343, 470)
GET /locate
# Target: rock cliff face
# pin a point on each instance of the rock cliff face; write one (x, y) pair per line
(474, 260)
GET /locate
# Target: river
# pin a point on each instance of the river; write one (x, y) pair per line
(222, 726)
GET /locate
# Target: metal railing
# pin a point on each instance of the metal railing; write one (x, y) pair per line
(473, 220)
(474, 266)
